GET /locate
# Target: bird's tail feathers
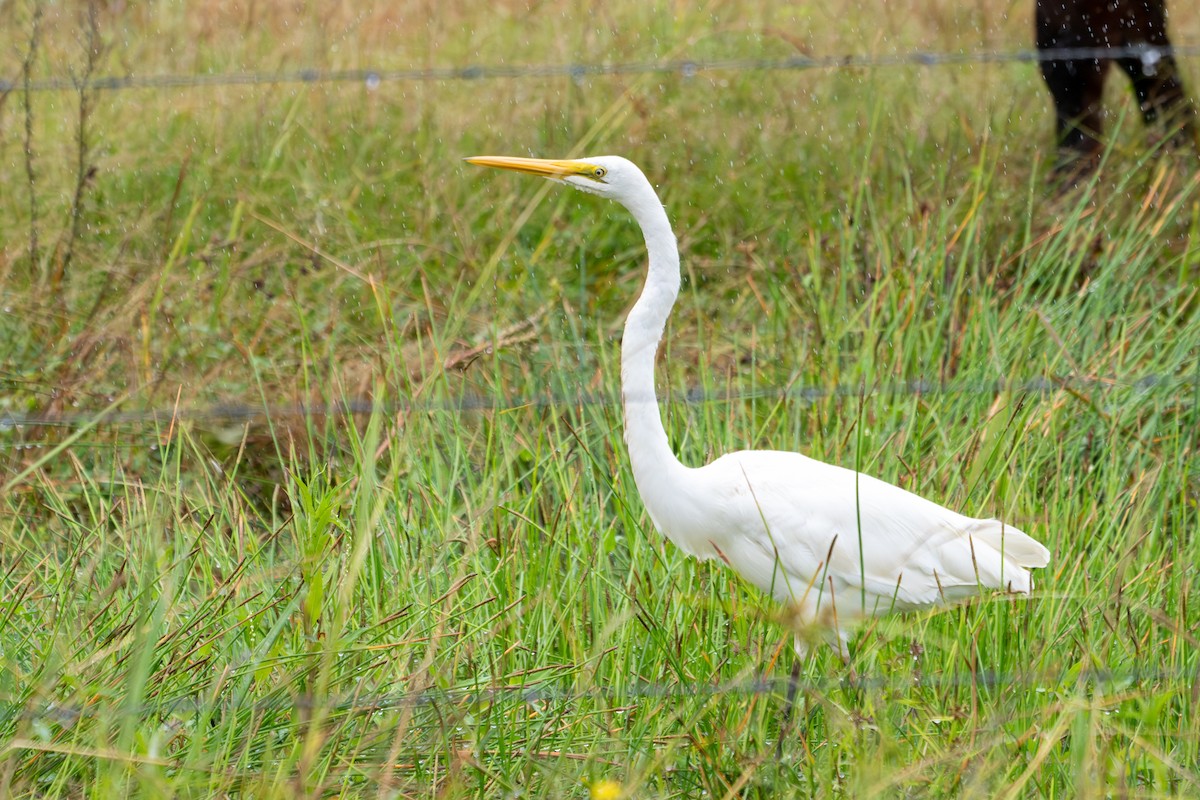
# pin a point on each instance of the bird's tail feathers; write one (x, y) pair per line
(1016, 546)
(989, 554)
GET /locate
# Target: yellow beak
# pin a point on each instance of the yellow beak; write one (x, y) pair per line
(545, 167)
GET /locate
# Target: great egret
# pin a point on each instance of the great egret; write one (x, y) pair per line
(833, 544)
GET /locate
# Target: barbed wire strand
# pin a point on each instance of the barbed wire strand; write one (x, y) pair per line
(1149, 55)
(1062, 680)
(11, 423)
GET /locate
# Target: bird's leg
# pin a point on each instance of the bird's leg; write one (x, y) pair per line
(788, 706)
(843, 651)
(790, 703)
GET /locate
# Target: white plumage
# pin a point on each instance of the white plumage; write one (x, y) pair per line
(833, 544)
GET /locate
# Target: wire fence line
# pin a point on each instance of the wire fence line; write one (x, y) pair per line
(11, 423)
(1067, 680)
(1149, 55)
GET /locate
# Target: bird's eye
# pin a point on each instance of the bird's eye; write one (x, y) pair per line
(599, 172)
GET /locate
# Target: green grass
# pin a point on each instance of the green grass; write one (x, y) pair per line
(420, 567)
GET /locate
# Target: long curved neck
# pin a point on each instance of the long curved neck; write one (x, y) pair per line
(650, 453)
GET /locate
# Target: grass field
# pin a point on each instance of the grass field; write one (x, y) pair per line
(311, 472)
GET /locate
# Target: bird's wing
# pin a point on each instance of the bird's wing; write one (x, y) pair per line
(830, 527)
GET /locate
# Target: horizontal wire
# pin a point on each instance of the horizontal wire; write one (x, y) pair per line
(1149, 55)
(1042, 682)
(245, 413)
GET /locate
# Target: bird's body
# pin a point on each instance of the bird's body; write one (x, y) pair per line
(833, 544)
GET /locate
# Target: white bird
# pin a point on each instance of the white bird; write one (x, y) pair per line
(836, 546)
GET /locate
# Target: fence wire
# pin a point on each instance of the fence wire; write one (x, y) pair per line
(1149, 55)
(11, 424)
(1095, 683)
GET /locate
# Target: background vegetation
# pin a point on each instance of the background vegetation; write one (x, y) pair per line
(311, 473)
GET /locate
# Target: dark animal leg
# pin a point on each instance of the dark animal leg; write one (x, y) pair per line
(1155, 76)
(1077, 87)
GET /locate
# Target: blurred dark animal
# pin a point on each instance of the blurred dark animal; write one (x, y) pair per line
(1077, 84)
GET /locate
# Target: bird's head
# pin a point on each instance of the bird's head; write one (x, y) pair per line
(608, 176)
